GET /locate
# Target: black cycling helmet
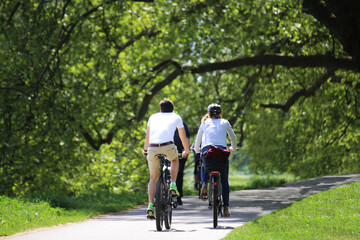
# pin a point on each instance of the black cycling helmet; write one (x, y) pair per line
(214, 109)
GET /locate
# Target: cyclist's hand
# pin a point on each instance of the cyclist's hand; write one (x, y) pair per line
(185, 154)
(231, 149)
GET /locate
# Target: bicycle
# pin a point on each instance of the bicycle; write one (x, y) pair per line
(215, 196)
(214, 165)
(164, 202)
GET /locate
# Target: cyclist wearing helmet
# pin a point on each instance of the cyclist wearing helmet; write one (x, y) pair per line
(213, 131)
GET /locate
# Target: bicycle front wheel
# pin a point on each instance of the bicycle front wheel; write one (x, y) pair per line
(159, 205)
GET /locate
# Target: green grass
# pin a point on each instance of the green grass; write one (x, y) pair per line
(333, 214)
(19, 215)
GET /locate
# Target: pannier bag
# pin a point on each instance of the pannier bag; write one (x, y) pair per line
(216, 158)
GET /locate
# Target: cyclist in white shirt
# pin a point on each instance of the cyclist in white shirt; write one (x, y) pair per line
(159, 140)
(213, 131)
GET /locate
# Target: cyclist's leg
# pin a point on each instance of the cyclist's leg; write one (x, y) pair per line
(174, 169)
(153, 163)
(225, 190)
(154, 175)
(180, 175)
(204, 183)
(225, 185)
(204, 175)
(172, 154)
(196, 160)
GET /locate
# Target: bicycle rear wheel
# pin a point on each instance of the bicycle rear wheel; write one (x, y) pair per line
(215, 198)
(167, 206)
(159, 205)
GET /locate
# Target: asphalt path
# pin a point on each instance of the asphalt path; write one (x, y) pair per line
(192, 220)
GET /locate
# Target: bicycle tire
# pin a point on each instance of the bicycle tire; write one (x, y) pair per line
(215, 206)
(168, 204)
(159, 205)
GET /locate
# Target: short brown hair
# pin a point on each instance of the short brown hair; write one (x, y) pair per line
(166, 105)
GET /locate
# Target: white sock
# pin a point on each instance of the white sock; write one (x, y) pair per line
(173, 183)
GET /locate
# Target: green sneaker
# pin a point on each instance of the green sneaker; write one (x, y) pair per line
(174, 191)
(150, 211)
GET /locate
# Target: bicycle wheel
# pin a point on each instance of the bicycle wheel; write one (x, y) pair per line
(167, 206)
(159, 205)
(215, 198)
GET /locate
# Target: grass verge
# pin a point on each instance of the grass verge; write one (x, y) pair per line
(19, 215)
(333, 214)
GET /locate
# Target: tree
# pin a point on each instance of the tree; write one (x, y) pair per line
(77, 75)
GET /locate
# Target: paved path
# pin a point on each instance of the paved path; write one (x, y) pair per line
(192, 220)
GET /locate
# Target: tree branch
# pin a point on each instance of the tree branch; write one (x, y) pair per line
(158, 86)
(299, 61)
(302, 93)
(341, 18)
(343, 133)
(146, 32)
(64, 39)
(312, 61)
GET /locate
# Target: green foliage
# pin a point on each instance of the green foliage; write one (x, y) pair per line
(80, 78)
(317, 137)
(332, 214)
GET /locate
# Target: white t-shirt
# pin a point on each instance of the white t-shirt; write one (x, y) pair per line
(163, 125)
(213, 132)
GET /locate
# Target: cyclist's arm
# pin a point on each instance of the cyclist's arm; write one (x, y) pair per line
(187, 134)
(198, 139)
(184, 141)
(232, 136)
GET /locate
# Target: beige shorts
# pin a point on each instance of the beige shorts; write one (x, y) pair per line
(154, 162)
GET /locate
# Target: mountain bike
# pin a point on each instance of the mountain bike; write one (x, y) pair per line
(164, 202)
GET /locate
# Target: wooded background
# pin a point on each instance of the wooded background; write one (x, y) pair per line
(79, 80)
